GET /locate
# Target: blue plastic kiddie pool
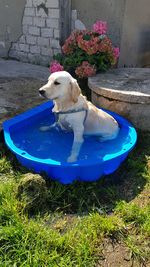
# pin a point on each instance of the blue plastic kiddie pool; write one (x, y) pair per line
(47, 151)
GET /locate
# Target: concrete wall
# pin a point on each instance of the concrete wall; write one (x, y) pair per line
(11, 12)
(135, 41)
(111, 11)
(129, 26)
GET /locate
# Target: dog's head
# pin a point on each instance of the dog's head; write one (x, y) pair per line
(61, 85)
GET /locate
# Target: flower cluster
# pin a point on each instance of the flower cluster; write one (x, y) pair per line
(71, 43)
(100, 27)
(116, 52)
(88, 42)
(55, 66)
(87, 52)
(85, 70)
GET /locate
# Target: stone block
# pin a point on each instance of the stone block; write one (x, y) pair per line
(37, 2)
(13, 54)
(52, 3)
(24, 47)
(54, 43)
(74, 14)
(56, 51)
(25, 29)
(72, 25)
(73, 19)
(53, 23)
(40, 12)
(46, 51)
(33, 30)
(29, 11)
(40, 22)
(29, 3)
(15, 46)
(79, 25)
(22, 39)
(54, 13)
(47, 32)
(56, 34)
(23, 56)
(41, 41)
(34, 49)
(45, 61)
(27, 20)
(31, 39)
(34, 59)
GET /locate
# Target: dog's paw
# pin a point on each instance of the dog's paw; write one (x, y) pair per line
(47, 128)
(44, 128)
(72, 158)
(101, 139)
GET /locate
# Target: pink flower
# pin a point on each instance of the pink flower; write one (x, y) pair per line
(106, 45)
(55, 66)
(71, 43)
(116, 52)
(85, 70)
(100, 27)
(90, 46)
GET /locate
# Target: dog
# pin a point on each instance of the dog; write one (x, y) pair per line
(75, 113)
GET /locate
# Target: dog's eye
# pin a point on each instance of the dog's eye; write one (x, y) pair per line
(56, 83)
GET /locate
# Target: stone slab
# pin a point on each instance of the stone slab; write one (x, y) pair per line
(126, 84)
(138, 114)
(16, 69)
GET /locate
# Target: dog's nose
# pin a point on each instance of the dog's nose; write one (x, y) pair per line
(42, 92)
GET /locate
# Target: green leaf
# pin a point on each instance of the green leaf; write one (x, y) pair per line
(86, 37)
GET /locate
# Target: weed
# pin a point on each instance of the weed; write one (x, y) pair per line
(71, 225)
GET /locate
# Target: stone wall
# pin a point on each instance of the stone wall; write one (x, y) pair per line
(31, 30)
(40, 38)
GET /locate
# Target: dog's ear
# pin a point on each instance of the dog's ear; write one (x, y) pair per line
(75, 90)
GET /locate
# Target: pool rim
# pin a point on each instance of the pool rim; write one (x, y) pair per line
(88, 162)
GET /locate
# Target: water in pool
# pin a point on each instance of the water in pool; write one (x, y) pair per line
(56, 144)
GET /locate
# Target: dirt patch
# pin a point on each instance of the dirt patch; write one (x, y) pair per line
(117, 255)
(18, 95)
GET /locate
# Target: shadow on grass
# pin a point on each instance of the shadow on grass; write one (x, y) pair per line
(80, 197)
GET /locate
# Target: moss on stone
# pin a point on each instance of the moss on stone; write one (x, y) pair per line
(32, 193)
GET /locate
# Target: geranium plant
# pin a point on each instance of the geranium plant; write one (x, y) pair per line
(85, 52)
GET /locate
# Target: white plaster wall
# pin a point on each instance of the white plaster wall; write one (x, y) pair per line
(11, 12)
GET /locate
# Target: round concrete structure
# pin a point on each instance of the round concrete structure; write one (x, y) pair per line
(125, 91)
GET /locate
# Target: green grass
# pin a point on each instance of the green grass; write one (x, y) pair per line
(74, 221)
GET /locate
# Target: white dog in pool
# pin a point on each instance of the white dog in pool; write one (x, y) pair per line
(75, 113)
